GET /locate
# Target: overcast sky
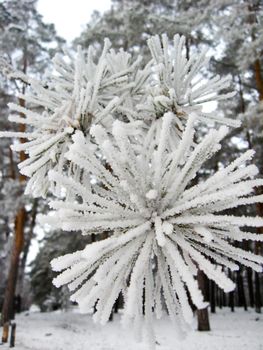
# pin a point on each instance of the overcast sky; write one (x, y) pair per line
(70, 16)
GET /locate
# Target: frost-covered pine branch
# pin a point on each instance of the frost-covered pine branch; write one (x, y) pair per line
(84, 91)
(178, 86)
(81, 92)
(118, 138)
(162, 227)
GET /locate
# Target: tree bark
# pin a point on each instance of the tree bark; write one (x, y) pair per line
(219, 296)
(259, 190)
(8, 305)
(212, 297)
(18, 243)
(202, 315)
(241, 292)
(250, 287)
(258, 79)
(28, 239)
(259, 206)
(5, 332)
(257, 294)
(231, 295)
(13, 335)
(223, 298)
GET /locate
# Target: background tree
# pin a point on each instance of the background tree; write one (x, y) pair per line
(25, 42)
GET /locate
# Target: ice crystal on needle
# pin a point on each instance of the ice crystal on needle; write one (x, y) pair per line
(162, 227)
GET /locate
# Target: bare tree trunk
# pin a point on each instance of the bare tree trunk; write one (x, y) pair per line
(202, 315)
(18, 243)
(258, 78)
(240, 289)
(259, 191)
(223, 298)
(28, 239)
(8, 306)
(249, 276)
(220, 296)
(259, 206)
(231, 294)
(257, 294)
(250, 287)
(212, 297)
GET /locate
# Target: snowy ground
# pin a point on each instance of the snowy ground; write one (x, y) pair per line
(71, 331)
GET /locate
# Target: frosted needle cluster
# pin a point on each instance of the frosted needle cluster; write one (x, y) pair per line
(128, 136)
(161, 228)
(84, 90)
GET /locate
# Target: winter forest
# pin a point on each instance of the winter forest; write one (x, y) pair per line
(131, 187)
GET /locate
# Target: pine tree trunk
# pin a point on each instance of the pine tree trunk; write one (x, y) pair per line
(258, 250)
(202, 315)
(259, 190)
(258, 78)
(29, 237)
(231, 295)
(8, 305)
(250, 287)
(259, 207)
(232, 301)
(223, 298)
(257, 294)
(20, 219)
(219, 292)
(212, 297)
(5, 334)
(241, 292)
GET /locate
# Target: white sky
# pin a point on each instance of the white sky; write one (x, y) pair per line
(70, 16)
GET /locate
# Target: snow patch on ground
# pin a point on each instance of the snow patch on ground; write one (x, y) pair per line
(73, 331)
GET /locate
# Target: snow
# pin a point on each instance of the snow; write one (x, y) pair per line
(72, 331)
